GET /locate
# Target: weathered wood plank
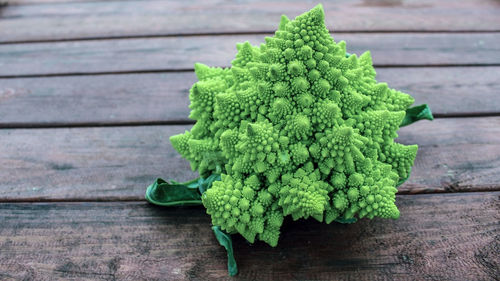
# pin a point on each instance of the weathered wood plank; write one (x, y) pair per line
(163, 97)
(113, 162)
(98, 19)
(456, 154)
(101, 99)
(180, 53)
(437, 237)
(448, 90)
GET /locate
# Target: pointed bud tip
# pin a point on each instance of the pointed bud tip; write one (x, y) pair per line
(200, 66)
(201, 70)
(318, 13)
(176, 141)
(283, 21)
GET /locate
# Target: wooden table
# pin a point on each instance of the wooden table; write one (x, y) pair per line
(91, 90)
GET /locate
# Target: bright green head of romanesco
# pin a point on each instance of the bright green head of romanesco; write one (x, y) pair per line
(296, 127)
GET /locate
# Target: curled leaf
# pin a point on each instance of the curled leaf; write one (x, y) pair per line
(175, 193)
(163, 193)
(419, 112)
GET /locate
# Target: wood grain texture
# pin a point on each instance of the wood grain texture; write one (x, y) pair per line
(180, 53)
(448, 90)
(456, 154)
(118, 163)
(101, 99)
(95, 62)
(163, 97)
(438, 237)
(98, 19)
(88, 163)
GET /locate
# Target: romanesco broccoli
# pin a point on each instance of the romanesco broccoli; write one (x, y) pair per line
(296, 127)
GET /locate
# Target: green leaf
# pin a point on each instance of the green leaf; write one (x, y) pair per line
(419, 112)
(173, 194)
(225, 241)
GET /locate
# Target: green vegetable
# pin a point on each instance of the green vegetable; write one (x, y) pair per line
(226, 241)
(296, 127)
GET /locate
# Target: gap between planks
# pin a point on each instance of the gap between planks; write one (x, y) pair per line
(236, 33)
(167, 70)
(135, 199)
(181, 122)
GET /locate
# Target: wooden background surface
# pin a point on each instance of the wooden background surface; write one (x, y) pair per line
(90, 91)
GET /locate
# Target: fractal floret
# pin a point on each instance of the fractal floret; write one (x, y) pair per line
(296, 127)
